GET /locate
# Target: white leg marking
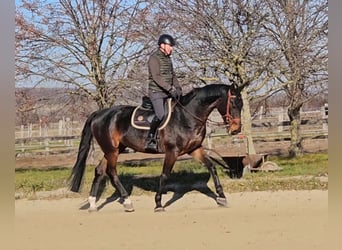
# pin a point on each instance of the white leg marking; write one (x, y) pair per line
(128, 205)
(92, 203)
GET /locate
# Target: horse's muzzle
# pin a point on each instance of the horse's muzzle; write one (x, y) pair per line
(234, 126)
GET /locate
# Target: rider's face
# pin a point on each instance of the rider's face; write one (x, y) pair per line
(166, 48)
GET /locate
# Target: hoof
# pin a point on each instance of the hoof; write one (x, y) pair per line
(92, 209)
(128, 208)
(222, 202)
(159, 209)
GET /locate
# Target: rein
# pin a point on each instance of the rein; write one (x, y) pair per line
(228, 116)
(194, 116)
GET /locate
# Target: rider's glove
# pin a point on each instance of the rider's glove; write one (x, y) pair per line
(174, 93)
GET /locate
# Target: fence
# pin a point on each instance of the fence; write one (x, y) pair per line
(313, 124)
(64, 136)
(47, 137)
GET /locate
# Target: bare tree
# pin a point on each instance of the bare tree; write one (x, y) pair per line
(25, 107)
(226, 41)
(97, 48)
(89, 47)
(299, 29)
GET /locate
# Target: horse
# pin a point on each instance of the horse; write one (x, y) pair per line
(184, 134)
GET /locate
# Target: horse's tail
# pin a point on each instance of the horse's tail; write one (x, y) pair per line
(76, 177)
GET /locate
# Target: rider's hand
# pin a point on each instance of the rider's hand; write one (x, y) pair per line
(179, 92)
(174, 93)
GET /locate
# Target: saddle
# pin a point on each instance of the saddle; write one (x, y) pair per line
(143, 114)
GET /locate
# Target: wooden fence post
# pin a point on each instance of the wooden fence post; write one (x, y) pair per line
(22, 136)
(60, 127)
(40, 130)
(46, 141)
(280, 120)
(67, 131)
(29, 130)
(261, 111)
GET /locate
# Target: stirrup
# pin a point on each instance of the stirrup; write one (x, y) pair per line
(151, 146)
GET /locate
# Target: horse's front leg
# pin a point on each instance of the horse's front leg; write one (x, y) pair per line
(100, 173)
(115, 181)
(169, 161)
(201, 156)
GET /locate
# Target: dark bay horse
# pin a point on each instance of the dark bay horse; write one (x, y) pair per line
(183, 134)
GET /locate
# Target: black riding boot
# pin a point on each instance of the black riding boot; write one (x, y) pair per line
(151, 141)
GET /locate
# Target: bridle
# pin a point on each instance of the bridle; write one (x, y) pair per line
(228, 116)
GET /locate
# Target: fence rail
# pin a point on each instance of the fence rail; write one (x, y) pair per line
(65, 135)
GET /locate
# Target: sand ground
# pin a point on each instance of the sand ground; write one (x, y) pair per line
(254, 220)
(288, 220)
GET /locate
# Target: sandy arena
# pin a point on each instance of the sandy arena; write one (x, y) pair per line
(258, 220)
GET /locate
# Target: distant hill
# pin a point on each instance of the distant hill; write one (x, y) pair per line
(33, 104)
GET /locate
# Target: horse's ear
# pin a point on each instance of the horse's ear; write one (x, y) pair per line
(238, 88)
(235, 88)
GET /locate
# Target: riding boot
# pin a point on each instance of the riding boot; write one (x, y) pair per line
(151, 141)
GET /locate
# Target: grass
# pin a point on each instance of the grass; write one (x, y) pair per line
(28, 182)
(309, 164)
(300, 173)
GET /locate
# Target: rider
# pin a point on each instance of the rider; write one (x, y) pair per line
(162, 84)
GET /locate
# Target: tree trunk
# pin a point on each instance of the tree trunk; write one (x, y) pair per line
(103, 98)
(296, 148)
(246, 120)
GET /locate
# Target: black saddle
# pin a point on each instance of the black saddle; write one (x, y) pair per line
(142, 115)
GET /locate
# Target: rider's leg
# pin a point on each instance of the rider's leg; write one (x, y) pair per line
(151, 137)
(158, 106)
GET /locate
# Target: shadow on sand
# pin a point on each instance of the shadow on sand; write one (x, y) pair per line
(178, 183)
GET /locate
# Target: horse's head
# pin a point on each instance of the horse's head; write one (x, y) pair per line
(230, 109)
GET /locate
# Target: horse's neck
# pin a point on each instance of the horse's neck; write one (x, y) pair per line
(201, 113)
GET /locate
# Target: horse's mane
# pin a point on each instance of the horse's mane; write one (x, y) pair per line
(212, 90)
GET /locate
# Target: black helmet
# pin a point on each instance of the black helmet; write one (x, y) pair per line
(167, 39)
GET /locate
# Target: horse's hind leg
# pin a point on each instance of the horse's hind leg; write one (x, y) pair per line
(100, 174)
(114, 179)
(201, 156)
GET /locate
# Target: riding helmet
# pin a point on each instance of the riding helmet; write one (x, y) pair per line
(167, 39)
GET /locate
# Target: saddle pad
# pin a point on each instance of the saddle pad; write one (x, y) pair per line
(142, 117)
